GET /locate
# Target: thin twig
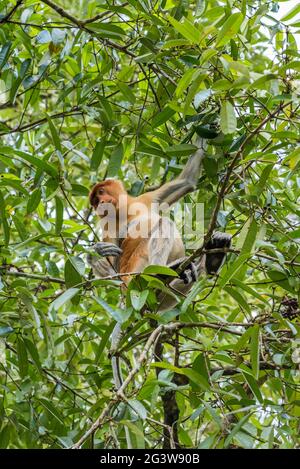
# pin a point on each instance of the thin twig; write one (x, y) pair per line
(11, 12)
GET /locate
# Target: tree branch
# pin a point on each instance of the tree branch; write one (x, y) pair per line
(101, 15)
(42, 278)
(11, 12)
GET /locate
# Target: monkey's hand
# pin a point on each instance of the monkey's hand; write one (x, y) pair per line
(215, 260)
(190, 273)
(107, 249)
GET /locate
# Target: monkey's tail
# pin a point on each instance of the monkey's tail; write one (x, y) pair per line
(115, 362)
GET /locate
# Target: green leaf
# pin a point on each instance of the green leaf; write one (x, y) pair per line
(193, 376)
(138, 407)
(150, 149)
(244, 339)
(198, 78)
(233, 269)
(72, 276)
(261, 185)
(38, 163)
(51, 409)
(3, 220)
(59, 211)
(54, 134)
(4, 54)
(239, 298)
(97, 155)
(229, 29)
(162, 117)
(186, 29)
(207, 55)
(200, 365)
(236, 429)
(238, 267)
(281, 279)
(249, 290)
(293, 65)
(253, 386)
(228, 119)
(22, 358)
(197, 379)
(78, 264)
(127, 92)
(62, 299)
(254, 351)
(31, 347)
(116, 313)
(104, 341)
(28, 299)
(34, 200)
(159, 269)
(78, 189)
(115, 161)
(193, 293)
(291, 13)
(135, 430)
(107, 30)
(248, 236)
(7, 181)
(52, 268)
(184, 82)
(138, 299)
(175, 43)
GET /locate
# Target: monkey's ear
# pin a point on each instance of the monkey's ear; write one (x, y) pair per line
(214, 261)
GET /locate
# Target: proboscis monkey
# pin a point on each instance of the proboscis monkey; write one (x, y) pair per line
(137, 235)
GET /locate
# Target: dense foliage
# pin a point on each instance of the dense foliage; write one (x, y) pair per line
(110, 88)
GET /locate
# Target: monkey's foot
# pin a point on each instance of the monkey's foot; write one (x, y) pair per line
(215, 260)
(107, 249)
(190, 274)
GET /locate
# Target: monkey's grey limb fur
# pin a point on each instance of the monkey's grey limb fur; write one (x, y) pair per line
(107, 249)
(101, 267)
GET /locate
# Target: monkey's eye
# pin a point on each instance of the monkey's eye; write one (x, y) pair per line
(100, 191)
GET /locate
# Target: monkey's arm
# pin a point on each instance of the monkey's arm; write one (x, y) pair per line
(186, 182)
(102, 267)
(208, 264)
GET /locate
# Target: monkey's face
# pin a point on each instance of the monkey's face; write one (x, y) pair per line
(104, 193)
